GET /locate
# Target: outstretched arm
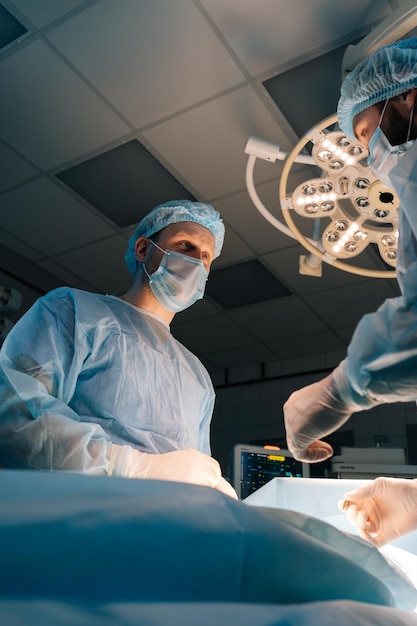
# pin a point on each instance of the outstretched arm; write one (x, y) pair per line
(317, 410)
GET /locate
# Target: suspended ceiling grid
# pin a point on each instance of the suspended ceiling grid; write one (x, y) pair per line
(109, 108)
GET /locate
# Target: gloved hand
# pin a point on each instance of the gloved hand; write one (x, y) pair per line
(183, 466)
(311, 413)
(318, 410)
(383, 510)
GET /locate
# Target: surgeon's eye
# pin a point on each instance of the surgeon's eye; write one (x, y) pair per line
(185, 245)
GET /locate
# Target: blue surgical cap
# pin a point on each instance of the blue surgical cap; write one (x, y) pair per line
(174, 212)
(390, 71)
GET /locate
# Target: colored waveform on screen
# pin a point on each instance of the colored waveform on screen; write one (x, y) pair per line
(259, 469)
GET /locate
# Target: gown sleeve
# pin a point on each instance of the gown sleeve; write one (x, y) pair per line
(39, 364)
(382, 356)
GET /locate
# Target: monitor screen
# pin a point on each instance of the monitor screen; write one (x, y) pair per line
(254, 466)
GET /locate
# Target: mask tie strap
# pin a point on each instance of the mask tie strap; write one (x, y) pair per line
(410, 122)
(159, 247)
(144, 264)
(383, 111)
(146, 272)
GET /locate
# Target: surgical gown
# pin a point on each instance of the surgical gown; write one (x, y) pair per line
(382, 356)
(80, 371)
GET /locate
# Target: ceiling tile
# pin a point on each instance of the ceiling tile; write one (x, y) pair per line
(244, 283)
(258, 234)
(241, 357)
(110, 182)
(42, 13)
(345, 334)
(199, 310)
(268, 35)
(52, 130)
(202, 140)
(212, 334)
(44, 216)
(293, 86)
(279, 319)
(315, 343)
(286, 263)
(13, 243)
(67, 278)
(28, 272)
(14, 170)
(11, 27)
(185, 79)
(345, 306)
(234, 248)
(151, 47)
(100, 264)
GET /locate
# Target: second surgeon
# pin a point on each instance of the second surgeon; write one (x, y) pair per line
(97, 383)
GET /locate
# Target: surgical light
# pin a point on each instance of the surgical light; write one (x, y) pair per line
(358, 197)
(350, 207)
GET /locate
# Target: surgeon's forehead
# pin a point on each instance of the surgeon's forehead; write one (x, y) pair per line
(190, 229)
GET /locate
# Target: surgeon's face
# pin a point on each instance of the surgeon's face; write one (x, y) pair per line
(394, 123)
(186, 238)
(365, 123)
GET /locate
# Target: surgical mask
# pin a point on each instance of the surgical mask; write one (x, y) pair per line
(179, 281)
(382, 155)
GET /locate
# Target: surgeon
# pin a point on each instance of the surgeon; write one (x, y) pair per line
(97, 383)
(377, 107)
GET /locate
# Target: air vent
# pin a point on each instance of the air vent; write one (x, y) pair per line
(124, 183)
(10, 28)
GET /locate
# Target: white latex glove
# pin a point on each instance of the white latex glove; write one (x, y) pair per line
(383, 510)
(310, 414)
(183, 466)
(318, 410)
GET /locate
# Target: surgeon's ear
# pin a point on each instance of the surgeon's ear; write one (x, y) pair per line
(141, 248)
